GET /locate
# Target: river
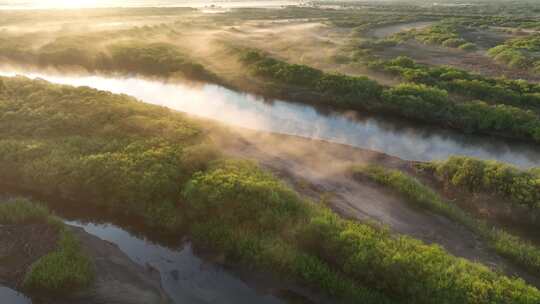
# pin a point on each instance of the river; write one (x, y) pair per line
(391, 136)
(185, 277)
(9, 296)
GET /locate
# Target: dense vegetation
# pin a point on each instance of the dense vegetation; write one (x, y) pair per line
(95, 147)
(345, 90)
(64, 270)
(518, 93)
(446, 33)
(418, 101)
(521, 53)
(134, 56)
(518, 186)
(523, 253)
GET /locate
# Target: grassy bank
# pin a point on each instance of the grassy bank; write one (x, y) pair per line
(520, 251)
(66, 269)
(420, 99)
(144, 160)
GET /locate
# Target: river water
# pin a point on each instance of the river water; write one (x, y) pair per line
(394, 137)
(185, 277)
(9, 296)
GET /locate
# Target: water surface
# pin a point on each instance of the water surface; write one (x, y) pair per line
(185, 277)
(394, 137)
(10, 296)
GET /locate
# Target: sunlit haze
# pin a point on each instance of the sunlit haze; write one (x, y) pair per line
(58, 4)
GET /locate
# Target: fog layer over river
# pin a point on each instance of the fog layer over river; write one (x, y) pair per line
(394, 137)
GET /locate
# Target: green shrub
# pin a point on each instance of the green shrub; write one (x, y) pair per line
(520, 186)
(223, 199)
(83, 144)
(468, 46)
(426, 98)
(160, 59)
(349, 90)
(65, 270)
(522, 252)
(417, 101)
(519, 53)
(19, 211)
(240, 193)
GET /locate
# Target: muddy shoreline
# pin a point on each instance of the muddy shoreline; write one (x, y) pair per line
(118, 279)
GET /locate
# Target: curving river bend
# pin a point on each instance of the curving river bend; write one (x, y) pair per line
(394, 137)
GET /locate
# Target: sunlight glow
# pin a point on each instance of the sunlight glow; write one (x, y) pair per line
(71, 3)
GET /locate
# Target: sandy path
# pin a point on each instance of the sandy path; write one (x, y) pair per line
(320, 169)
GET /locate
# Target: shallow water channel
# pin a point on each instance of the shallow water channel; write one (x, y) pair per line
(391, 136)
(10, 296)
(185, 277)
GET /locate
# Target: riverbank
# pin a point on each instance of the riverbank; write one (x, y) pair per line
(321, 171)
(30, 245)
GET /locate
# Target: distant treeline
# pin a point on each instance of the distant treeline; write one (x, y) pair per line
(147, 58)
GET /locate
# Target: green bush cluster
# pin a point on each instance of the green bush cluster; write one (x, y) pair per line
(254, 218)
(432, 104)
(427, 101)
(522, 53)
(345, 89)
(159, 59)
(445, 33)
(134, 56)
(311, 238)
(521, 252)
(67, 268)
(521, 187)
(518, 93)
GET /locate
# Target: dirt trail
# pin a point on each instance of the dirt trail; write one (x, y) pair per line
(319, 169)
